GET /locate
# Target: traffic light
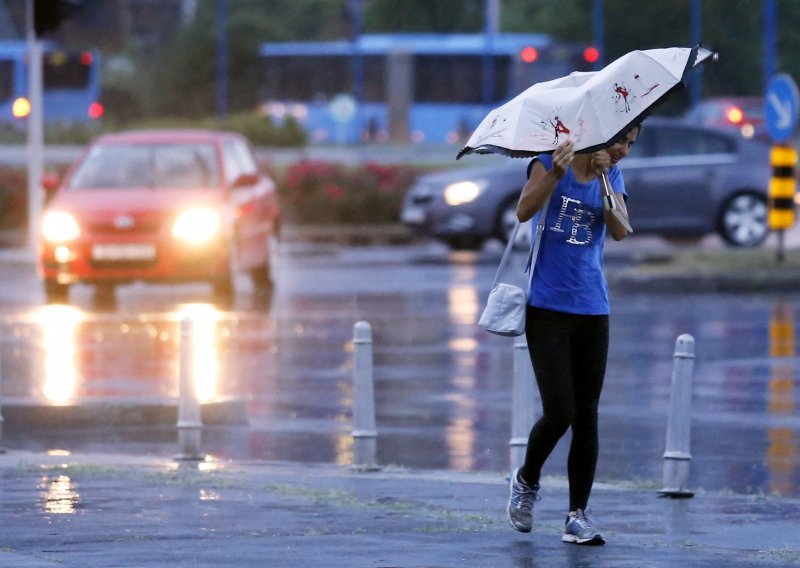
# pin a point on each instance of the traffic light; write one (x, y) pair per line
(48, 14)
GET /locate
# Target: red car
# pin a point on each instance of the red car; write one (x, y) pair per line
(159, 206)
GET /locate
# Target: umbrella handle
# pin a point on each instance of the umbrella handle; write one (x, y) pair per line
(610, 204)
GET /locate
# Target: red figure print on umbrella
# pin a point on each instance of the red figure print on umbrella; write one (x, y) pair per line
(558, 128)
(622, 95)
(646, 91)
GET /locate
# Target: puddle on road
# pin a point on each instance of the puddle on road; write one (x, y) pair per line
(57, 495)
(442, 385)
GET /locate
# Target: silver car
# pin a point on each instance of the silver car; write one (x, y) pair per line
(683, 180)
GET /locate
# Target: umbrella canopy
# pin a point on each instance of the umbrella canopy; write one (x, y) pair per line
(593, 109)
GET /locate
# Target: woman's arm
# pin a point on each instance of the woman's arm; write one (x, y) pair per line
(542, 182)
(618, 231)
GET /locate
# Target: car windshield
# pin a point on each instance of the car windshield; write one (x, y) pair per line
(148, 165)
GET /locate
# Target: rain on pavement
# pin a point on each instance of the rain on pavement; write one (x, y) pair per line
(442, 385)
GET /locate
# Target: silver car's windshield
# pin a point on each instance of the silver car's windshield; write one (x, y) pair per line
(148, 165)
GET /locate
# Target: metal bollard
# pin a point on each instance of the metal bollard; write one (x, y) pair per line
(189, 420)
(676, 455)
(364, 432)
(522, 402)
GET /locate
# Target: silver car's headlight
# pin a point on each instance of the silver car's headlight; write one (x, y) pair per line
(462, 192)
(198, 225)
(60, 227)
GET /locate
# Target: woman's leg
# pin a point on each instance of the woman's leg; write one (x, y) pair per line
(589, 349)
(547, 333)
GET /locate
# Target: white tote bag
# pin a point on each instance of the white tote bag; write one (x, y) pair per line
(507, 304)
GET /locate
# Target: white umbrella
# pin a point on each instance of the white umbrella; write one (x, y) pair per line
(593, 109)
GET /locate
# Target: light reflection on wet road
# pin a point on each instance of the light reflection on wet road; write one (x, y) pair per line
(442, 385)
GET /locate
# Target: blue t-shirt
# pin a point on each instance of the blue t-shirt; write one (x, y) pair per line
(568, 276)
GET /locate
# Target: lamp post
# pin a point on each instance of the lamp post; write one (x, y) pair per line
(222, 59)
(35, 126)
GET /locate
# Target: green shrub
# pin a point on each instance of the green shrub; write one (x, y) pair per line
(320, 193)
(54, 133)
(260, 130)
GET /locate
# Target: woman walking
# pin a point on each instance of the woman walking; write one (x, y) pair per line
(567, 321)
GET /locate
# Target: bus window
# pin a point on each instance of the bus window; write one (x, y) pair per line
(374, 78)
(306, 79)
(448, 71)
(320, 78)
(457, 79)
(6, 79)
(65, 71)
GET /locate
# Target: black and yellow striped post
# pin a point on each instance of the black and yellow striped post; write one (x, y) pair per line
(781, 191)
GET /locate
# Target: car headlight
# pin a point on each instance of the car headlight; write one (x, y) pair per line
(464, 191)
(59, 227)
(197, 225)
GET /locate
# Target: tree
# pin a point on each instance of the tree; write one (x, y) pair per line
(180, 77)
(49, 14)
(183, 73)
(424, 16)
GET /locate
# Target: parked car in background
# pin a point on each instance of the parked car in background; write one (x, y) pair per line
(159, 206)
(683, 180)
(745, 114)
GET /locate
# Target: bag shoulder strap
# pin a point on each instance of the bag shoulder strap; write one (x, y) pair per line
(537, 239)
(534, 251)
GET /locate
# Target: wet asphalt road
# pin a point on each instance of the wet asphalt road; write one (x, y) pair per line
(443, 386)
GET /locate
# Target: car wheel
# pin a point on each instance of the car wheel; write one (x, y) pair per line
(105, 293)
(463, 242)
(223, 284)
(223, 287)
(505, 226)
(55, 292)
(743, 220)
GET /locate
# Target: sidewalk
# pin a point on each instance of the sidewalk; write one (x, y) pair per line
(113, 510)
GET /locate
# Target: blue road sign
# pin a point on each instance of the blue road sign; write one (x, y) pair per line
(781, 107)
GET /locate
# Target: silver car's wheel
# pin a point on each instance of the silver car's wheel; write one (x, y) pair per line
(743, 222)
(508, 218)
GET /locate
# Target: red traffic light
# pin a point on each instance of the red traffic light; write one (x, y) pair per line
(529, 54)
(96, 110)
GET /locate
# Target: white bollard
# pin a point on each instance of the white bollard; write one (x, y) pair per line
(2, 336)
(676, 455)
(522, 402)
(189, 420)
(364, 432)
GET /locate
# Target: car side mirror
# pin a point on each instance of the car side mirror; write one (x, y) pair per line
(246, 180)
(50, 183)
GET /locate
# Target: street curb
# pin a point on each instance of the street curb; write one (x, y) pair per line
(350, 235)
(25, 414)
(638, 279)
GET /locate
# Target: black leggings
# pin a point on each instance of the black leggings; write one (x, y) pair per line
(568, 353)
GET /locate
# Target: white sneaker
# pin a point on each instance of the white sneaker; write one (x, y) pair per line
(520, 503)
(579, 530)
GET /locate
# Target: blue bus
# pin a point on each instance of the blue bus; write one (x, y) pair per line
(434, 88)
(70, 82)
